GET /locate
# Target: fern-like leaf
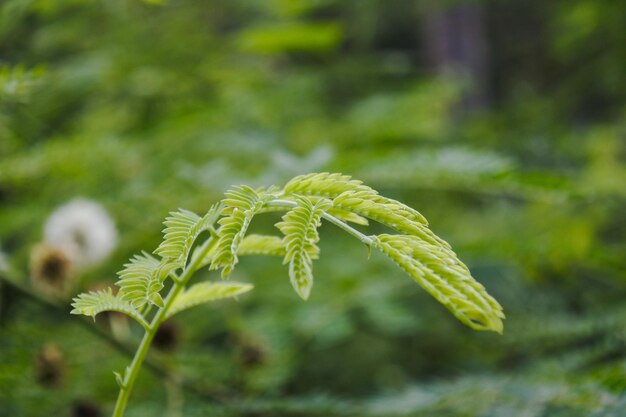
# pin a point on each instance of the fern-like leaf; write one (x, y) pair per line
(242, 203)
(341, 214)
(389, 212)
(141, 280)
(445, 277)
(262, 245)
(181, 230)
(299, 226)
(93, 303)
(324, 184)
(205, 292)
(353, 196)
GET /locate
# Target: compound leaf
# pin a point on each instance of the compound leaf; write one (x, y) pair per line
(241, 205)
(141, 280)
(439, 271)
(205, 292)
(182, 228)
(93, 303)
(324, 184)
(299, 226)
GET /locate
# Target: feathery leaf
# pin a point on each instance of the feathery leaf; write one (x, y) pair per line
(324, 184)
(382, 209)
(242, 203)
(141, 280)
(205, 292)
(299, 226)
(439, 271)
(181, 230)
(93, 303)
(355, 197)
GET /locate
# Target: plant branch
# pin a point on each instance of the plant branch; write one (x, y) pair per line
(133, 369)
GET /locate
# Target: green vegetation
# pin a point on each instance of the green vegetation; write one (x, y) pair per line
(307, 200)
(502, 122)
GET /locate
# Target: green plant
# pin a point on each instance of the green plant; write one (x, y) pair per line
(307, 199)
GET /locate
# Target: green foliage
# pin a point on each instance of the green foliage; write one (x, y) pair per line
(445, 277)
(241, 204)
(93, 303)
(426, 257)
(140, 281)
(299, 226)
(353, 196)
(273, 39)
(307, 200)
(16, 82)
(325, 185)
(142, 278)
(181, 230)
(383, 210)
(205, 292)
(519, 162)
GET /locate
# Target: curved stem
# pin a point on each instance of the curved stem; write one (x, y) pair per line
(330, 218)
(132, 370)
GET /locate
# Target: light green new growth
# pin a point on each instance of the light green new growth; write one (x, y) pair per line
(307, 200)
(438, 271)
(93, 303)
(181, 230)
(299, 226)
(140, 281)
(242, 203)
(324, 185)
(204, 292)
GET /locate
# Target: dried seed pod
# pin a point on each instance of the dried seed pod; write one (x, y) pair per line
(85, 408)
(52, 271)
(167, 336)
(50, 366)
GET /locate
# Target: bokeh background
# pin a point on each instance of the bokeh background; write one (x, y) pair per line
(501, 121)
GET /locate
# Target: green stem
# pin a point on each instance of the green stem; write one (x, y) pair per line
(133, 369)
(332, 219)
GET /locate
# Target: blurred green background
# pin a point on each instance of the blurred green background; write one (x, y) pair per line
(501, 121)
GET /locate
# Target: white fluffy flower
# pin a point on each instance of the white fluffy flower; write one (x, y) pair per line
(83, 229)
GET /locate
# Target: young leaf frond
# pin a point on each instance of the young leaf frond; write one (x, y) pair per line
(306, 199)
(324, 184)
(242, 203)
(262, 245)
(93, 303)
(207, 291)
(181, 230)
(446, 278)
(381, 209)
(355, 197)
(299, 226)
(140, 281)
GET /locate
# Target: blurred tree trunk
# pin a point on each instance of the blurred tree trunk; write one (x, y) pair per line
(455, 43)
